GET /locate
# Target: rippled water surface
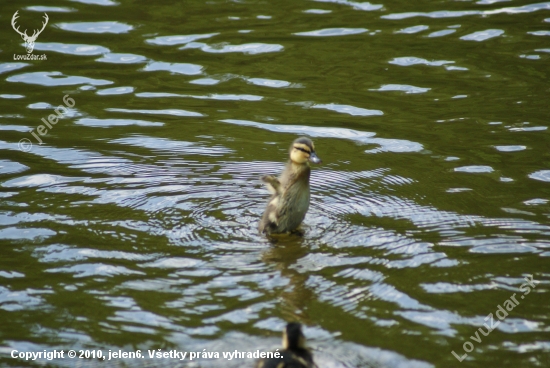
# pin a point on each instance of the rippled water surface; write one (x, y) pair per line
(130, 221)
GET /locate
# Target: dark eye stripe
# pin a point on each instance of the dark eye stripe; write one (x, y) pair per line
(302, 149)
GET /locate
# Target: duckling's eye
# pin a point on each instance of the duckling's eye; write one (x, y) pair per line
(302, 149)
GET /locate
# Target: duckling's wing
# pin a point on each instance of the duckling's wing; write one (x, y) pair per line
(272, 183)
(269, 221)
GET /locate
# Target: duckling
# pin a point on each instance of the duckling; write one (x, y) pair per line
(295, 353)
(289, 200)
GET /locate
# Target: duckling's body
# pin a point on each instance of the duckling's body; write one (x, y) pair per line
(289, 201)
(295, 353)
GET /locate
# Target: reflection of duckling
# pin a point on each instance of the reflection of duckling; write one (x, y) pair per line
(295, 353)
(289, 202)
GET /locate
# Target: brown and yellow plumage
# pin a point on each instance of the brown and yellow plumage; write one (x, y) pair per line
(289, 200)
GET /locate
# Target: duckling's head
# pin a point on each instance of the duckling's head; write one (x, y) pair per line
(302, 151)
(293, 338)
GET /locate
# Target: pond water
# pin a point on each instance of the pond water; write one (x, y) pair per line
(128, 218)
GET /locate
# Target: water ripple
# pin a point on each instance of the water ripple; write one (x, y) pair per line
(247, 48)
(94, 269)
(115, 91)
(171, 146)
(205, 81)
(542, 175)
(97, 2)
(319, 261)
(212, 96)
(105, 123)
(122, 58)
(386, 145)
(413, 29)
(540, 33)
(328, 32)
(172, 112)
(11, 167)
(96, 27)
(55, 79)
(71, 49)
(317, 11)
(63, 253)
(401, 88)
(178, 40)
(411, 60)
(268, 82)
(175, 68)
(510, 148)
(483, 35)
(347, 109)
(14, 233)
(52, 9)
(474, 169)
(8, 67)
(461, 13)
(20, 300)
(442, 33)
(366, 6)
(179, 263)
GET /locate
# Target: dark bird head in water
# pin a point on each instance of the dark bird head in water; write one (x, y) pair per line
(293, 338)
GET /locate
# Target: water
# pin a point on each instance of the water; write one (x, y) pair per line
(133, 226)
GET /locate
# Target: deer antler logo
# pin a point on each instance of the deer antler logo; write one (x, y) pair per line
(29, 40)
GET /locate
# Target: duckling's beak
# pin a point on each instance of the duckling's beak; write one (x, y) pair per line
(313, 158)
